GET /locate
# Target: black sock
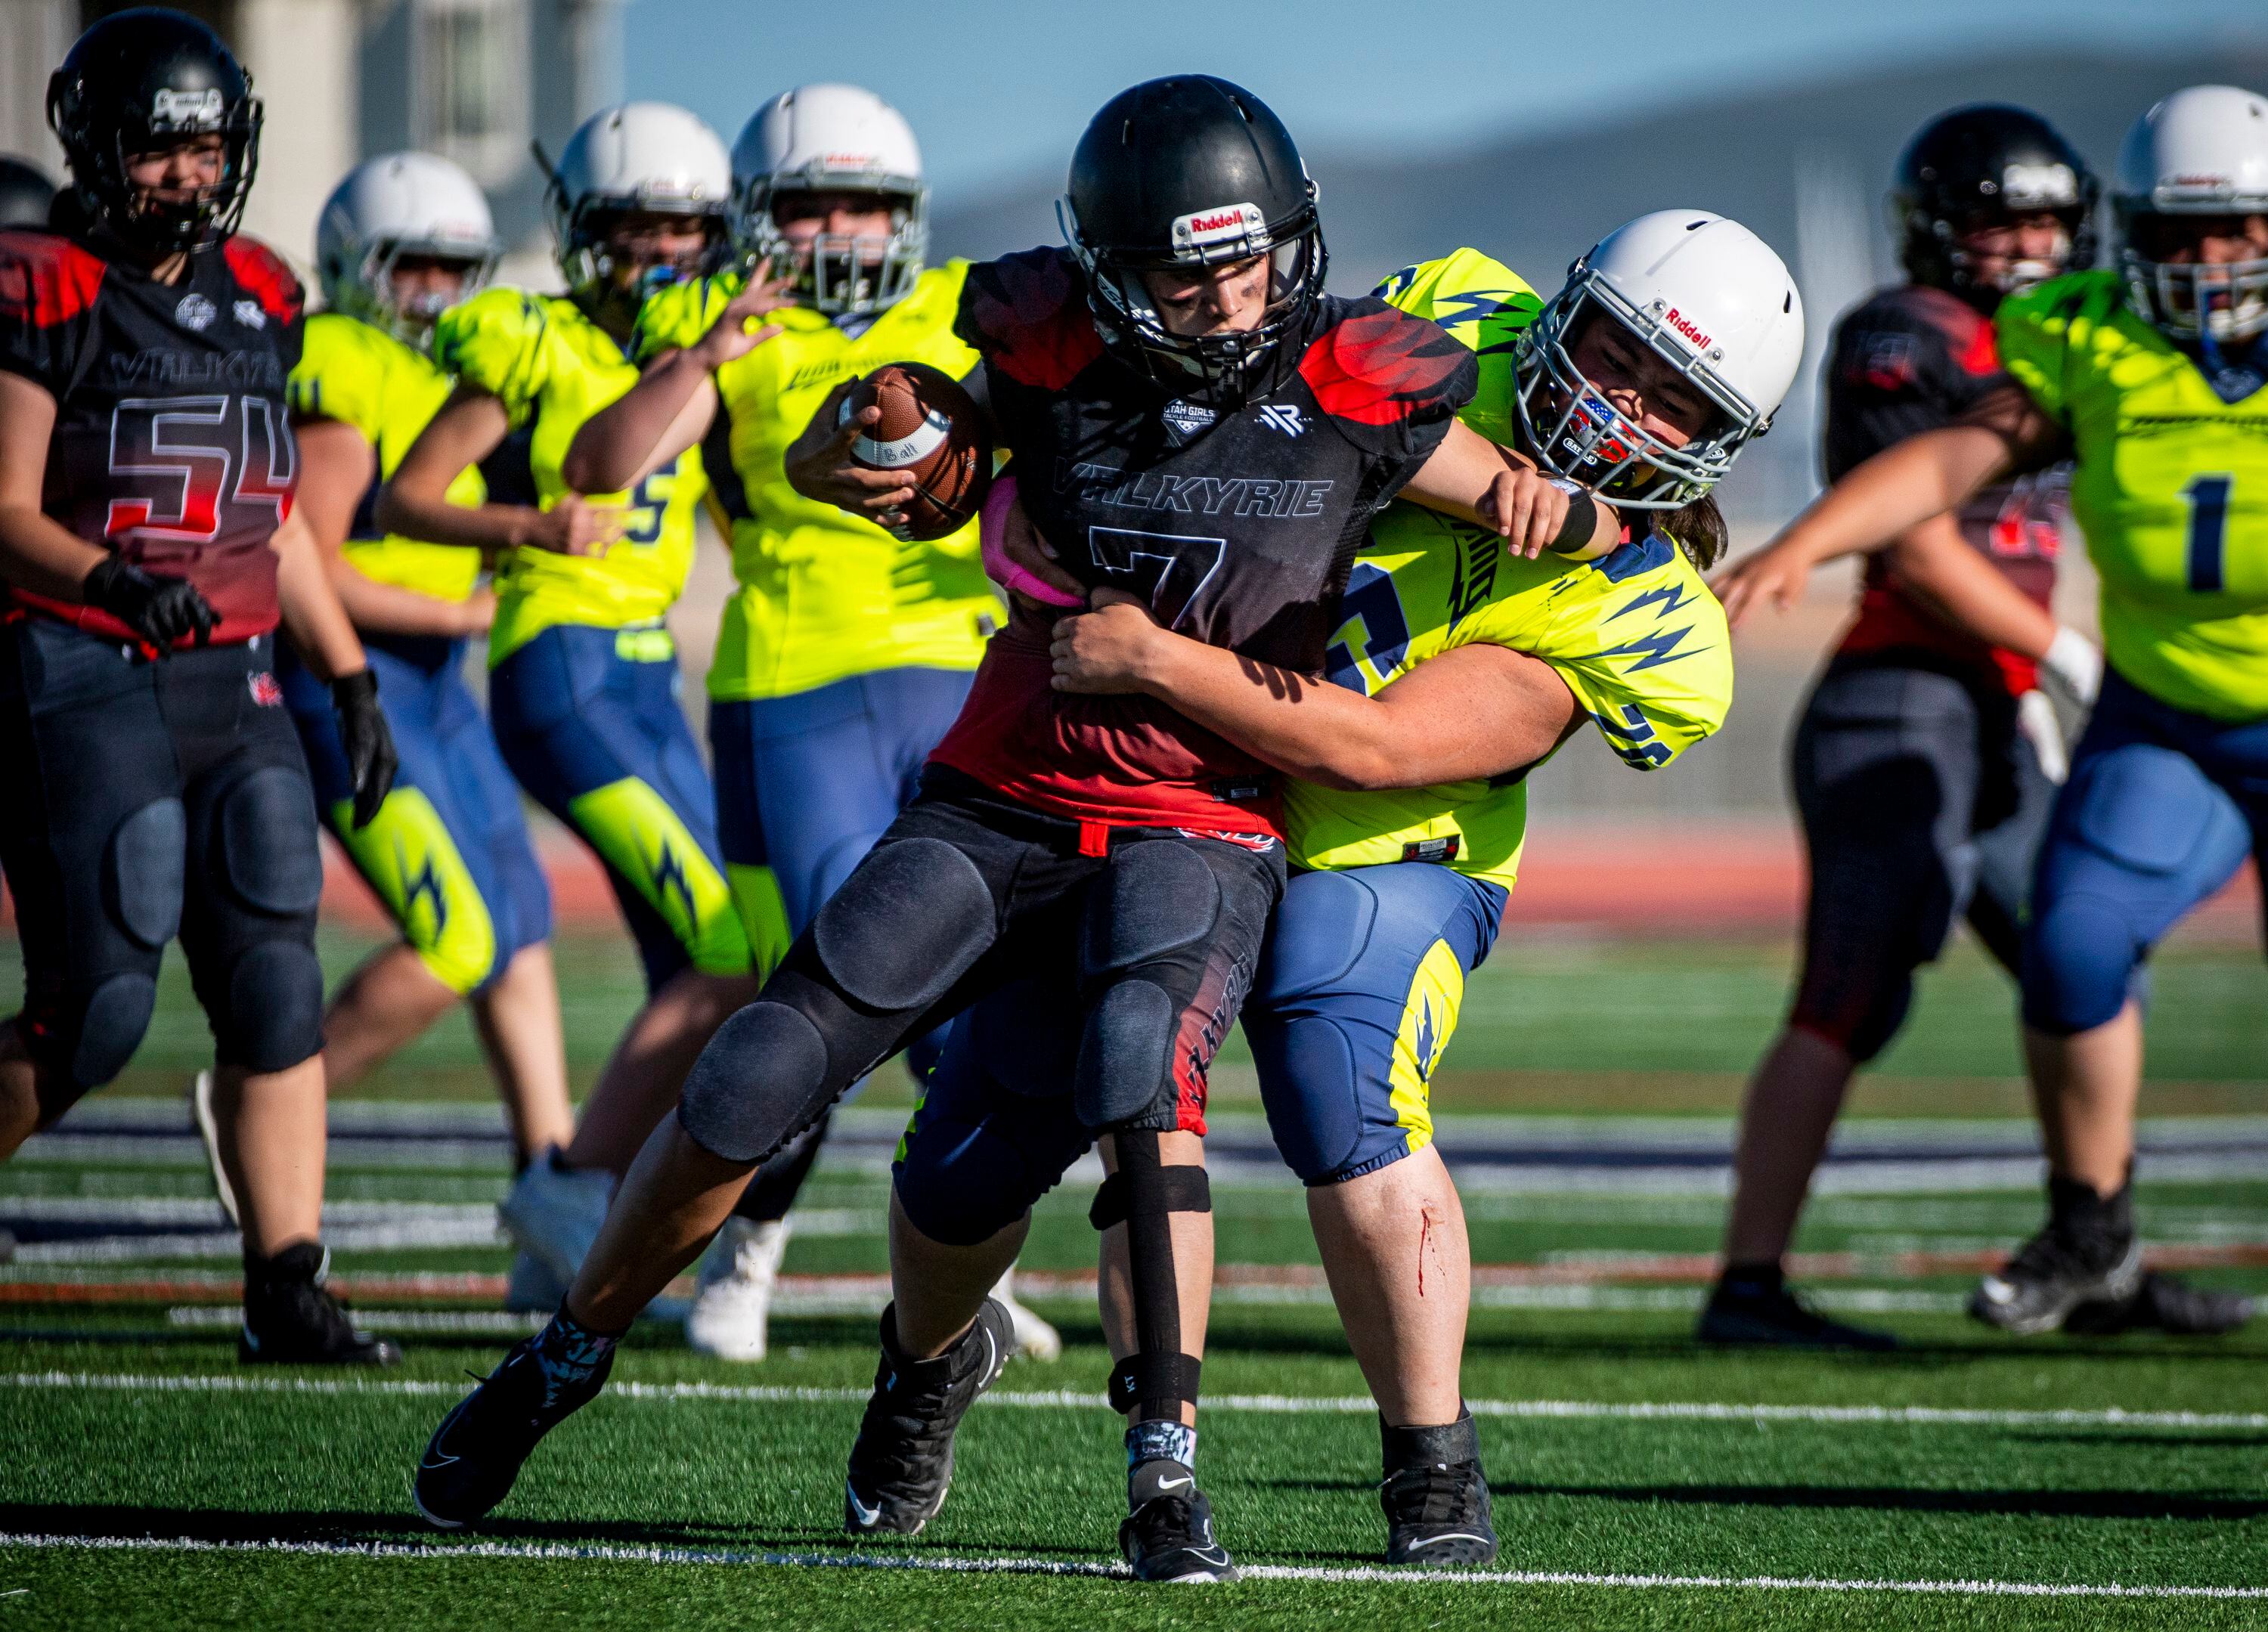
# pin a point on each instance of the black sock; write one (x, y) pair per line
(1757, 1280)
(1438, 1445)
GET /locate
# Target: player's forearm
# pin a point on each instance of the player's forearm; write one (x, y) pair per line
(1896, 491)
(312, 616)
(37, 555)
(666, 413)
(1298, 725)
(376, 608)
(414, 505)
(1957, 586)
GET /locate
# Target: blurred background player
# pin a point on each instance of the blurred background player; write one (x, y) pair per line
(25, 194)
(582, 678)
(1459, 665)
(1924, 759)
(151, 550)
(2147, 376)
(403, 238)
(844, 652)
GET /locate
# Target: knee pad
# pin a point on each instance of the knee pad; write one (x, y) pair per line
(1126, 1056)
(1858, 1020)
(2080, 964)
(275, 1008)
(85, 1044)
(906, 924)
(1314, 1113)
(148, 861)
(267, 847)
(759, 1081)
(961, 1183)
(1157, 1378)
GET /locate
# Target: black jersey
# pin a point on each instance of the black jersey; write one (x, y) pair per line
(1237, 524)
(1911, 359)
(172, 444)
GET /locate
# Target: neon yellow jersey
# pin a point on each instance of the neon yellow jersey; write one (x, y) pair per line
(553, 368)
(364, 377)
(823, 595)
(1636, 635)
(2170, 486)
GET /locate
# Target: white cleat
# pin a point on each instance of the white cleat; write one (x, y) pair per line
(553, 1213)
(1036, 1339)
(734, 1305)
(201, 1107)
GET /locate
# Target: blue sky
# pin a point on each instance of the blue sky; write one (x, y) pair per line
(997, 89)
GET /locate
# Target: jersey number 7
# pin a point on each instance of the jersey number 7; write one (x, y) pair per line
(1168, 570)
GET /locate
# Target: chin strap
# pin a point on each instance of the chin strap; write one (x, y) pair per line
(1157, 1378)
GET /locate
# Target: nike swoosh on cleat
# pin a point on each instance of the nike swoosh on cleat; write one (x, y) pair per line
(431, 1461)
(866, 1516)
(1455, 1535)
(1175, 1484)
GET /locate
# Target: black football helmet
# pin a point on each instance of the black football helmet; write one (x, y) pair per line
(1978, 165)
(140, 80)
(25, 194)
(1186, 172)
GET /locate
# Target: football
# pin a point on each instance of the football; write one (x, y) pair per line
(930, 431)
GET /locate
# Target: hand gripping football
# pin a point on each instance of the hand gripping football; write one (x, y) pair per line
(931, 431)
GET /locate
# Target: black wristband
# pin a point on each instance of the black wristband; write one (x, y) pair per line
(349, 689)
(1582, 519)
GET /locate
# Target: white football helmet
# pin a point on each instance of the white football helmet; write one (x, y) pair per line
(2202, 152)
(833, 138)
(1705, 294)
(650, 157)
(394, 205)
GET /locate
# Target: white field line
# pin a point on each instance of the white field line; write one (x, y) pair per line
(948, 1565)
(1298, 1405)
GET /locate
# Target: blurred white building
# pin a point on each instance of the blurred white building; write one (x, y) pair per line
(477, 80)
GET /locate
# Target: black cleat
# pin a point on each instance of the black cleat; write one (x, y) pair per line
(1168, 1536)
(289, 1320)
(2163, 1303)
(1762, 1312)
(1435, 1497)
(902, 1462)
(2089, 1253)
(474, 1456)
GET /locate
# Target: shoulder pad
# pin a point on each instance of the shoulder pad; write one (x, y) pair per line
(1376, 364)
(481, 339)
(46, 278)
(1027, 315)
(262, 273)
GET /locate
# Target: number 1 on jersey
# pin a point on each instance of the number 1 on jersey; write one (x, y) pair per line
(2208, 497)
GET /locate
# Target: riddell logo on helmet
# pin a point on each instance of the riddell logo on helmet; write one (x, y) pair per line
(849, 161)
(177, 107)
(1683, 325)
(1202, 229)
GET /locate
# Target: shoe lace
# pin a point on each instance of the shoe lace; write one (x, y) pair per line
(914, 1427)
(316, 1312)
(1165, 1523)
(1439, 1493)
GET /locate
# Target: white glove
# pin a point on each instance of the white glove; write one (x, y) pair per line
(2036, 719)
(2074, 663)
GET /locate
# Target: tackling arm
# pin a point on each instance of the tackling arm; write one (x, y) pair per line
(1473, 479)
(1477, 711)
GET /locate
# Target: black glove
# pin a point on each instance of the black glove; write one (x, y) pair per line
(161, 610)
(371, 759)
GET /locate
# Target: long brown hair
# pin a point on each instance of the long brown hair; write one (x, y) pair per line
(1699, 530)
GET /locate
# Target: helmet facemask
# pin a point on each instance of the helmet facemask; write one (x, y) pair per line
(161, 226)
(1213, 364)
(1573, 431)
(2190, 302)
(2019, 273)
(837, 273)
(590, 257)
(367, 290)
